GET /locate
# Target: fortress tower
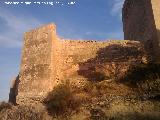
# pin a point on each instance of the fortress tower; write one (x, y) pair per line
(36, 64)
(141, 22)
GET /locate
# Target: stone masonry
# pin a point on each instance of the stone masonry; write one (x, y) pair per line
(47, 60)
(141, 22)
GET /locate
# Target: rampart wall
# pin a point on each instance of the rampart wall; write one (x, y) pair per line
(93, 60)
(47, 60)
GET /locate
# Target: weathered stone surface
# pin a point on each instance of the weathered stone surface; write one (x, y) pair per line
(35, 71)
(48, 60)
(14, 90)
(99, 60)
(141, 23)
(156, 13)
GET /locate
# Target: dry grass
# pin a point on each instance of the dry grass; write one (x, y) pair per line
(23, 113)
(96, 89)
(121, 110)
(4, 106)
(64, 100)
(134, 110)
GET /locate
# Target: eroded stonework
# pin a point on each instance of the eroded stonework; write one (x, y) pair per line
(36, 65)
(47, 60)
(141, 22)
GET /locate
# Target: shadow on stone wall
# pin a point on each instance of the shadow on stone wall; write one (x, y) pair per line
(111, 62)
(14, 90)
(141, 73)
(145, 77)
(123, 64)
(158, 51)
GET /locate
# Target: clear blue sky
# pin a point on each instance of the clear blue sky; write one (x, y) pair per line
(86, 19)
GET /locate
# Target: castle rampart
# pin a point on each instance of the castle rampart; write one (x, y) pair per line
(47, 60)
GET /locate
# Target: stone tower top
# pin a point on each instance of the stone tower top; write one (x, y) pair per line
(48, 27)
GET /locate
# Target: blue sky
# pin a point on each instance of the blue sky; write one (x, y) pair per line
(86, 19)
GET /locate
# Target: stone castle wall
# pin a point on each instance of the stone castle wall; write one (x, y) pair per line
(47, 60)
(141, 23)
(156, 13)
(93, 60)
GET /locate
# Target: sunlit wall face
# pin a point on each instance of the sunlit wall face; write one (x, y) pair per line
(80, 19)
